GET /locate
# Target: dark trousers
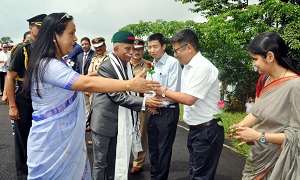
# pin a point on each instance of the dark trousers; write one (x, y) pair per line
(22, 128)
(2, 79)
(104, 151)
(205, 147)
(161, 129)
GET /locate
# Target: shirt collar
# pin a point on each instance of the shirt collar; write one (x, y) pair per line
(162, 60)
(193, 62)
(86, 53)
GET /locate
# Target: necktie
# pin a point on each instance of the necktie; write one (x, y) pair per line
(83, 62)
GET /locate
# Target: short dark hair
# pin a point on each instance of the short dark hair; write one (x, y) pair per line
(25, 34)
(271, 41)
(186, 36)
(159, 37)
(86, 39)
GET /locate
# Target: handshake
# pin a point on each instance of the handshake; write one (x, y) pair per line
(154, 103)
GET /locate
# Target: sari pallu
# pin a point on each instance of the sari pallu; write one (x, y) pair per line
(56, 143)
(275, 108)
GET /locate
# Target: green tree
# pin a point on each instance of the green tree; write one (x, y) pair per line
(5, 39)
(228, 35)
(145, 29)
(225, 37)
(215, 7)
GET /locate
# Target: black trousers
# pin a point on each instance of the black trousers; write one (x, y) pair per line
(161, 129)
(22, 128)
(205, 147)
(2, 79)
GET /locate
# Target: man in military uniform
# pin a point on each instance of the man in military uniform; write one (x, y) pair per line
(20, 107)
(138, 64)
(100, 56)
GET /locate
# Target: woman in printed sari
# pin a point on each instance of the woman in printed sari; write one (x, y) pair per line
(274, 124)
(56, 143)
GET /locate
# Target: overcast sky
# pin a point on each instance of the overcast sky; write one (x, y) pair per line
(92, 17)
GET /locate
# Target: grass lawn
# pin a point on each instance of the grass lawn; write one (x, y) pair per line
(233, 118)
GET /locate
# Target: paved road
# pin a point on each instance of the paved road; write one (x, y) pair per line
(230, 165)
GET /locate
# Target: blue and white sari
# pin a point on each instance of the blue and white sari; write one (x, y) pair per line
(56, 142)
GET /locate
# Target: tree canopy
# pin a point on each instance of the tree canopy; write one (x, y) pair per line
(231, 25)
(5, 40)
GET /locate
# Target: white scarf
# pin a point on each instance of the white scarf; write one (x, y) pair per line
(128, 137)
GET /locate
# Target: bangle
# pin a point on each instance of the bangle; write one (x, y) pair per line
(12, 106)
(128, 86)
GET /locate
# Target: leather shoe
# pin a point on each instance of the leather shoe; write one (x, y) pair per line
(136, 170)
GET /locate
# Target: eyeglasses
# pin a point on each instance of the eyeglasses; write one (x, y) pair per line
(175, 50)
(65, 15)
(5, 47)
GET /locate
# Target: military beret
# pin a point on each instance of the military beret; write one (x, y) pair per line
(123, 37)
(139, 43)
(37, 20)
(98, 41)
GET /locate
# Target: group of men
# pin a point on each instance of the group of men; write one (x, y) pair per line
(121, 123)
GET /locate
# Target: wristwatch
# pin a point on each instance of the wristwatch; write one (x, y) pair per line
(163, 94)
(262, 138)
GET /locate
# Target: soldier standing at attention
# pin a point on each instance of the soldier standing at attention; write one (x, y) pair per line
(138, 64)
(20, 107)
(100, 55)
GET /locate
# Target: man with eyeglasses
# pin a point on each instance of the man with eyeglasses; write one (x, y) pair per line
(162, 122)
(114, 121)
(4, 62)
(200, 94)
(20, 107)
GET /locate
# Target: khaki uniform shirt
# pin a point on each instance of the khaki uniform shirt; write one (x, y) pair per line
(139, 67)
(96, 62)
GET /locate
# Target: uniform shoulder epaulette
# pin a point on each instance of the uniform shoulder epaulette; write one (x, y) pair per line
(24, 50)
(15, 46)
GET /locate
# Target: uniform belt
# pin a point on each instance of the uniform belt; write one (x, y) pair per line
(208, 123)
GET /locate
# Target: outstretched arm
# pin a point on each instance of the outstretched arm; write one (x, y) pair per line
(105, 85)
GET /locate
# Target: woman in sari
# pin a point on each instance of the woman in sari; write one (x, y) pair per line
(274, 124)
(56, 143)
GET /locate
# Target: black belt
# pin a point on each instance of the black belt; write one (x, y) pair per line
(208, 123)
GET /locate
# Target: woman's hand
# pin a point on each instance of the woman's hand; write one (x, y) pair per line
(246, 135)
(233, 128)
(141, 85)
